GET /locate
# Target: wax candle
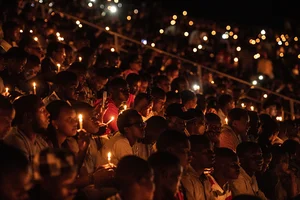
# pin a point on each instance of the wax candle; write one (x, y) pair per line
(34, 88)
(108, 157)
(80, 117)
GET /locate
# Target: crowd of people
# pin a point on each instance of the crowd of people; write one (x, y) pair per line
(81, 120)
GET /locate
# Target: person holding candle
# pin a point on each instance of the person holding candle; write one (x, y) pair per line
(225, 103)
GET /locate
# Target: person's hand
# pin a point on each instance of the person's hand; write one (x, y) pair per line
(103, 175)
(83, 140)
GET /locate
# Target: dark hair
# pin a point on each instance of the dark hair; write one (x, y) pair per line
(130, 170)
(171, 68)
(237, 114)
(24, 105)
(225, 153)
(124, 119)
(141, 96)
(116, 83)
(156, 123)
(170, 138)
(54, 47)
(160, 79)
(99, 72)
(246, 147)
(187, 95)
(5, 104)
(197, 140)
(32, 61)
(172, 95)
(158, 93)
(9, 26)
(290, 146)
(26, 41)
(246, 197)
(224, 99)
(212, 118)
(15, 53)
(78, 67)
(133, 78)
(175, 85)
(64, 78)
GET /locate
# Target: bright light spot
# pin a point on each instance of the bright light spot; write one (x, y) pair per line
(51, 4)
(265, 96)
(243, 105)
(236, 59)
(191, 23)
(295, 39)
(184, 13)
(102, 6)
(36, 38)
(263, 37)
(58, 34)
(21, 31)
(90, 4)
(144, 42)
(107, 28)
(277, 39)
(238, 48)
(228, 27)
(116, 1)
(103, 14)
(256, 56)
(31, 31)
(174, 17)
(113, 9)
(199, 46)
(213, 32)
(281, 54)
(128, 18)
(196, 87)
(212, 82)
(152, 44)
(261, 77)
(112, 50)
(186, 34)
(173, 22)
(225, 36)
(279, 118)
(230, 33)
(41, 1)
(77, 22)
(263, 32)
(283, 39)
(161, 31)
(211, 55)
(80, 25)
(254, 82)
(299, 56)
(279, 43)
(195, 50)
(257, 40)
(205, 38)
(235, 37)
(136, 11)
(120, 5)
(286, 43)
(251, 41)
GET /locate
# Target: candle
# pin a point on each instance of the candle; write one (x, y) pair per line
(34, 88)
(109, 157)
(80, 117)
(6, 93)
(104, 97)
(243, 105)
(58, 67)
(111, 119)
(80, 58)
(252, 108)
(226, 120)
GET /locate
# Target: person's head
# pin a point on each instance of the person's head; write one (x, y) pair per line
(177, 143)
(135, 62)
(238, 119)
(172, 72)
(167, 173)
(179, 84)
(226, 102)
(280, 160)
(254, 123)
(155, 125)
(159, 99)
(88, 55)
(134, 82)
(172, 97)
(7, 114)
(189, 99)
(250, 156)
(202, 152)
(227, 164)
(118, 89)
(32, 47)
(55, 170)
(134, 177)
(213, 122)
(63, 119)
(270, 107)
(176, 117)
(32, 67)
(164, 83)
(91, 121)
(97, 78)
(145, 82)
(196, 125)
(70, 55)
(31, 113)
(130, 123)
(80, 70)
(15, 60)
(11, 31)
(143, 103)
(56, 51)
(66, 83)
(292, 147)
(269, 132)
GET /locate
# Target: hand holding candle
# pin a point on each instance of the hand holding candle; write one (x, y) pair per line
(80, 118)
(34, 88)
(58, 67)
(226, 120)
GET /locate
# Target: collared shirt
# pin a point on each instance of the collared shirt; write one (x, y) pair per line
(18, 139)
(218, 192)
(144, 150)
(112, 111)
(246, 185)
(197, 188)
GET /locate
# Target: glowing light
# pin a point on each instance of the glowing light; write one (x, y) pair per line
(111, 119)
(279, 119)
(261, 77)
(199, 46)
(80, 25)
(161, 31)
(186, 34)
(77, 22)
(174, 17)
(254, 82)
(225, 36)
(196, 87)
(112, 50)
(263, 37)
(205, 38)
(213, 32)
(136, 11)
(144, 42)
(298, 56)
(184, 13)
(238, 48)
(265, 96)
(252, 108)
(263, 32)
(107, 28)
(173, 22)
(257, 40)
(108, 157)
(281, 54)
(286, 43)
(279, 43)
(116, 1)
(58, 34)
(21, 31)
(128, 18)
(277, 39)
(195, 50)
(236, 59)
(256, 56)
(113, 9)
(80, 118)
(226, 120)
(243, 105)
(30, 31)
(191, 23)
(228, 27)
(295, 39)
(36, 39)
(235, 37)
(152, 44)
(90, 4)
(230, 33)
(251, 41)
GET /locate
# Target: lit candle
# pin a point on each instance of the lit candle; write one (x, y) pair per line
(58, 67)
(279, 118)
(109, 157)
(80, 58)
(226, 120)
(252, 108)
(6, 93)
(80, 117)
(34, 88)
(111, 119)
(243, 105)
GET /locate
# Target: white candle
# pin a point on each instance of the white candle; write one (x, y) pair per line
(104, 97)
(108, 157)
(6, 90)
(252, 108)
(34, 88)
(58, 67)
(111, 119)
(226, 120)
(80, 117)
(80, 58)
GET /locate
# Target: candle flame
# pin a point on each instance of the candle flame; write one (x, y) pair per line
(34, 84)
(80, 117)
